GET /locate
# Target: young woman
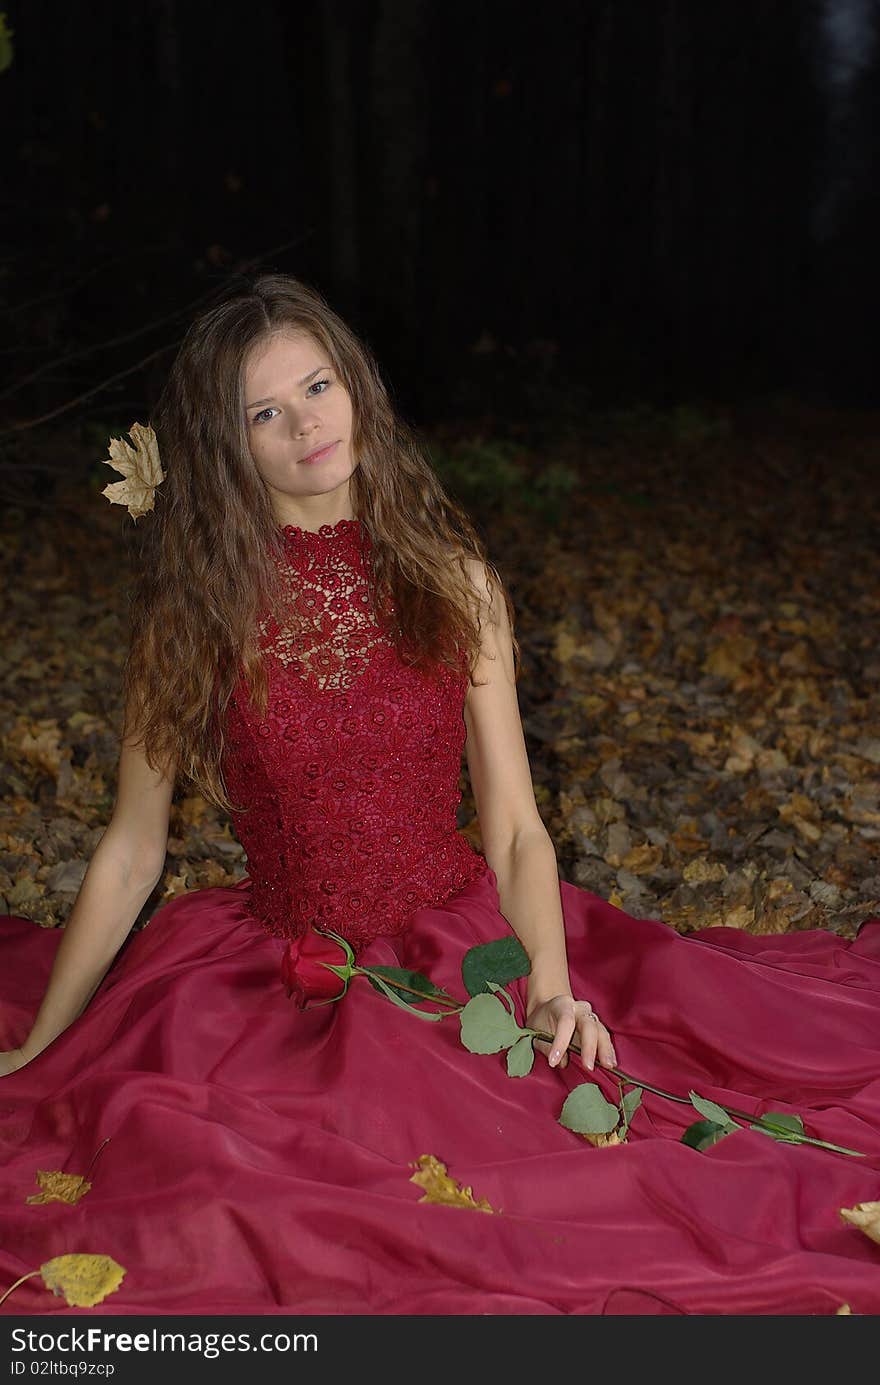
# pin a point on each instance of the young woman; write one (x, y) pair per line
(317, 635)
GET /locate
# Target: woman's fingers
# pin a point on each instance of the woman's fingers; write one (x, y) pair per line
(595, 1043)
(588, 1033)
(594, 1040)
(605, 1048)
(561, 1040)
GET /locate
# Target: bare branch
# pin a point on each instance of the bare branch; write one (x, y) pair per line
(130, 336)
(96, 389)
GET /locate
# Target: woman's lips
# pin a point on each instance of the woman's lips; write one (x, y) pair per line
(322, 452)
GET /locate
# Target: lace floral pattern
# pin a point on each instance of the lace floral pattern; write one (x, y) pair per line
(351, 781)
(326, 585)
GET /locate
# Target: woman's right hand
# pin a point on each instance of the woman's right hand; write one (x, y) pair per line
(11, 1061)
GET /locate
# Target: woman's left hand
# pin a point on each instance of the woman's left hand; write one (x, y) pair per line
(562, 1016)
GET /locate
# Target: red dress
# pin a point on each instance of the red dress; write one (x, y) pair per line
(260, 1156)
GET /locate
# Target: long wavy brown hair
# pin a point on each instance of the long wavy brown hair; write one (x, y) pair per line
(205, 566)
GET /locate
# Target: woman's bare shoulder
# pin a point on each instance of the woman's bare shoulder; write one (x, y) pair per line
(481, 578)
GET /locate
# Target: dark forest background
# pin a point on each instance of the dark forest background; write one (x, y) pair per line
(617, 261)
(522, 209)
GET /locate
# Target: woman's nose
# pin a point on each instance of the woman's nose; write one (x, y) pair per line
(302, 424)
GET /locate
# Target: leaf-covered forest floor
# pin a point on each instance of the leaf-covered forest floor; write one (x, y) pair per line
(698, 606)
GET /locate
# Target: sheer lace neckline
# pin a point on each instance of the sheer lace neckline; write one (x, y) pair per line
(325, 577)
(340, 531)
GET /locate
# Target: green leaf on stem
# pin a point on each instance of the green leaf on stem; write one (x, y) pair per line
(413, 980)
(705, 1134)
(712, 1111)
(404, 1005)
(586, 1111)
(503, 960)
(630, 1104)
(521, 1057)
(502, 995)
(486, 1027)
(779, 1125)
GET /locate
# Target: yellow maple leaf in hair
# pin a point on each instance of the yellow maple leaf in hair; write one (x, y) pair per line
(59, 1187)
(141, 468)
(441, 1189)
(83, 1280)
(866, 1216)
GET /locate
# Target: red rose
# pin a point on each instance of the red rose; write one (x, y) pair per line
(315, 969)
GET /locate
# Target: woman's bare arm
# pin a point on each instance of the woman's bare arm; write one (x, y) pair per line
(124, 870)
(516, 843)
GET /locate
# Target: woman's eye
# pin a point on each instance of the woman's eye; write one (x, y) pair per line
(261, 416)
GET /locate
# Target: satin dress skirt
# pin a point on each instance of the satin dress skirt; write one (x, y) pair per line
(257, 1159)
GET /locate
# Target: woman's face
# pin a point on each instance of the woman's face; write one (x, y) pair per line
(296, 403)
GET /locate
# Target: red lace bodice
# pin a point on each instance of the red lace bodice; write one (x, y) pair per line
(351, 781)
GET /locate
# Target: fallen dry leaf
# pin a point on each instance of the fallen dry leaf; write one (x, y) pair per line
(739, 917)
(83, 1280)
(730, 658)
(643, 859)
(701, 870)
(176, 884)
(441, 1189)
(59, 1187)
(39, 743)
(743, 751)
(688, 841)
(603, 1140)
